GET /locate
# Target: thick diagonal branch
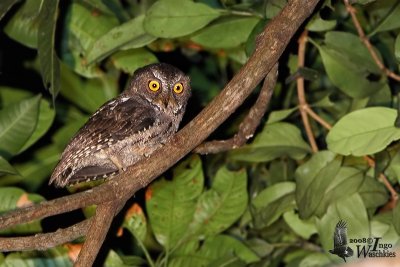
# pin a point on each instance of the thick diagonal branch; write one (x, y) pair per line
(249, 124)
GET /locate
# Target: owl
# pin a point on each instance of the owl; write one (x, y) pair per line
(128, 128)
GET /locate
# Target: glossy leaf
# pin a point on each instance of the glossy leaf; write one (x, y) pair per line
(275, 140)
(23, 26)
(45, 120)
(280, 115)
(226, 33)
(390, 14)
(131, 34)
(174, 18)
(219, 207)
(171, 204)
(349, 65)
(363, 132)
(6, 168)
(304, 228)
(49, 62)
(130, 60)
(17, 123)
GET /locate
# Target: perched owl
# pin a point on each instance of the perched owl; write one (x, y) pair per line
(127, 128)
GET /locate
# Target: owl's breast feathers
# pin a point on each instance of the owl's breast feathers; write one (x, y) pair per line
(118, 124)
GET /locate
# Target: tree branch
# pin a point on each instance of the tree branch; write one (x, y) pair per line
(249, 123)
(45, 241)
(270, 46)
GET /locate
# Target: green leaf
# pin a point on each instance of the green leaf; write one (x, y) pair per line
(130, 60)
(171, 204)
(219, 207)
(49, 62)
(315, 259)
(350, 209)
(89, 95)
(55, 257)
(135, 221)
(280, 115)
(115, 260)
(62, 137)
(397, 48)
(227, 33)
(349, 65)
(23, 26)
(304, 228)
(373, 193)
(6, 168)
(317, 24)
(363, 132)
(17, 123)
(216, 247)
(12, 198)
(313, 181)
(390, 19)
(276, 140)
(131, 34)
(272, 202)
(45, 120)
(174, 18)
(5, 6)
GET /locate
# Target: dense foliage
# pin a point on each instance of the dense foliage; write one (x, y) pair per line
(274, 201)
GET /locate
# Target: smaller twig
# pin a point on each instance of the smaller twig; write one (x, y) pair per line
(301, 93)
(250, 123)
(316, 117)
(368, 44)
(97, 232)
(45, 241)
(385, 181)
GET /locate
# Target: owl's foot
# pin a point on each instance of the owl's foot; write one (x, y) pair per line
(117, 162)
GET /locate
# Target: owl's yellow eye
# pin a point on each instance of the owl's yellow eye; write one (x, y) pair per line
(154, 86)
(178, 88)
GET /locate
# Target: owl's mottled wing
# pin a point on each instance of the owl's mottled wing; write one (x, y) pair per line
(113, 122)
(340, 235)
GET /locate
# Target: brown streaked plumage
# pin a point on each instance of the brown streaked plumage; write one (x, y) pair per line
(127, 128)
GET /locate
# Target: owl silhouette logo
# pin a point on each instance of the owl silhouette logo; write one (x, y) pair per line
(340, 247)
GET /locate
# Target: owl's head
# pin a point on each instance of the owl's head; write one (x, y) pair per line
(162, 86)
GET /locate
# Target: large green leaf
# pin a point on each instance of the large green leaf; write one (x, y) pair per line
(275, 140)
(171, 204)
(390, 12)
(227, 33)
(49, 62)
(373, 193)
(131, 34)
(130, 60)
(45, 120)
(174, 18)
(89, 95)
(313, 181)
(17, 123)
(349, 65)
(304, 228)
(12, 198)
(350, 209)
(219, 207)
(363, 132)
(23, 26)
